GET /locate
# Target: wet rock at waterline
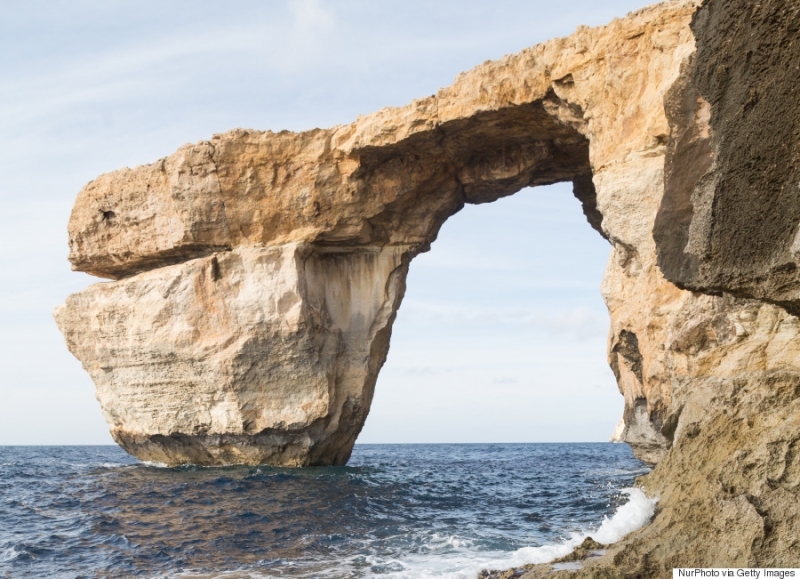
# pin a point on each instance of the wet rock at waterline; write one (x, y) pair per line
(257, 274)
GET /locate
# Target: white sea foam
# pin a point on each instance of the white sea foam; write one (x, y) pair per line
(629, 517)
(154, 464)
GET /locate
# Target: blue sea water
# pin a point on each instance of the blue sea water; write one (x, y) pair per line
(413, 511)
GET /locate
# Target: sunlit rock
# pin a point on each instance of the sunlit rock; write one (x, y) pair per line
(257, 274)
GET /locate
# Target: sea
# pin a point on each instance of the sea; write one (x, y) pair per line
(395, 511)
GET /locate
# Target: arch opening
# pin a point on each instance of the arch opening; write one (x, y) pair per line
(292, 272)
(502, 333)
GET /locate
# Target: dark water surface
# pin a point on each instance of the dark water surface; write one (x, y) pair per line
(396, 510)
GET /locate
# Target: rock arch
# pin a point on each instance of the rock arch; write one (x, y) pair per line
(258, 274)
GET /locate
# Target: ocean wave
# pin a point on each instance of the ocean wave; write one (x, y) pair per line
(154, 464)
(629, 517)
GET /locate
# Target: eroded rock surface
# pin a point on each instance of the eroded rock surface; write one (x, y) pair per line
(730, 218)
(730, 481)
(257, 274)
(256, 355)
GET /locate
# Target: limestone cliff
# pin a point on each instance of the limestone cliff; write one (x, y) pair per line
(727, 224)
(726, 227)
(257, 274)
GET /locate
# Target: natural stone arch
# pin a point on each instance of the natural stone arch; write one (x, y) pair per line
(259, 273)
(278, 261)
(312, 356)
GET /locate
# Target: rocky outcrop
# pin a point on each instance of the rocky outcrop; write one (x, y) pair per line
(729, 218)
(244, 356)
(727, 225)
(729, 483)
(257, 275)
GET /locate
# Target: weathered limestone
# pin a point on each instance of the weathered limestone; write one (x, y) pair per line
(258, 274)
(729, 484)
(256, 355)
(190, 367)
(726, 224)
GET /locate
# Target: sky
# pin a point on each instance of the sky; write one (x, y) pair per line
(502, 333)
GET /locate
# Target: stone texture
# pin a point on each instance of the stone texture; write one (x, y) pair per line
(730, 217)
(729, 483)
(257, 274)
(193, 364)
(256, 355)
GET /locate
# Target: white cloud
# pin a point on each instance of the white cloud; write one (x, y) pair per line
(45, 96)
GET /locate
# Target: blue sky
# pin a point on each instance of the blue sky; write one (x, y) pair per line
(502, 333)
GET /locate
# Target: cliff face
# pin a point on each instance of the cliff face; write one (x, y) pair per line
(728, 221)
(258, 274)
(727, 224)
(244, 356)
